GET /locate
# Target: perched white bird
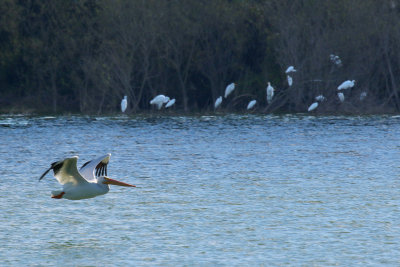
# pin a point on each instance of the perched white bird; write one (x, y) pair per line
(218, 102)
(320, 98)
(251, 104)
(90, 181)
(313, 106)
(289, 80)
(290, 69)
(159, 100)
(346, 85)
(229, 89)
(336, 60)
(124, 104)
(363, 95)
(270, 93)
(170, 103)
(341, 96)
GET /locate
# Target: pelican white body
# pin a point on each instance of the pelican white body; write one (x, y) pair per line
(84, 191)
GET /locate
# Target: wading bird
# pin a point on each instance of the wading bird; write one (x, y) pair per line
(313, 106)
(90, 181)
(336, 60)
(270, 93)
(159, 100)
(363, 95)
(251, 104)
(218, 102)
(289, 80)
(346, 85)
(170, 103)
(320, 98)
(290, 69)
(341, 96)
(229, 89)
(124, 104)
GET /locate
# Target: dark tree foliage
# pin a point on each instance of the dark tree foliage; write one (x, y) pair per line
(85, 55)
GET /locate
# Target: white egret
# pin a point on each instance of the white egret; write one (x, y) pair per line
(341, 96)
(124, 104)
(320, 98)
(363, 95)
(251, 104)
(229, 89)
(313, 106)
(270, 93)
(336, 60)
(290, 69)
(218, 102)
(289, 80)
(90, 181)
(346, 85)
(159, 100)
(170, 103)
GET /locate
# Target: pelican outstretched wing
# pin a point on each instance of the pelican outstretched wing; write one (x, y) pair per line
(95, 168)
(66, 171)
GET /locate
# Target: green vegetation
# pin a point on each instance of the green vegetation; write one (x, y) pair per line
(85, 55)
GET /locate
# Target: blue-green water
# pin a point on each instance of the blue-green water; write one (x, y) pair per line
(212, 190)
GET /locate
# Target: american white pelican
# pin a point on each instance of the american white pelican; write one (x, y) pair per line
(218, 102)
(90, 181)
(341, 96)
(289, 80)
(159, 100)
(251, 104)
(290, 69)
(363, 95)
(270, 93)
(229, 89)
(313, 106)
(170, 103)
(124, 104)
(346, 85)
(320, 98)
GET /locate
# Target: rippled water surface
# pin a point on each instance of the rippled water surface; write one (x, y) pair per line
(211, 190)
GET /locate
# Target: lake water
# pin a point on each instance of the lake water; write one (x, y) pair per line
(228, 190)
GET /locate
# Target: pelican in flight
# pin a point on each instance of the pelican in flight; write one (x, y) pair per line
(124, 104)
(90, 181)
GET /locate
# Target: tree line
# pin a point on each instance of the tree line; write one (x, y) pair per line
(85, 55)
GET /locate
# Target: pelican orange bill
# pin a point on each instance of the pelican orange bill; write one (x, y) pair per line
(115, 182)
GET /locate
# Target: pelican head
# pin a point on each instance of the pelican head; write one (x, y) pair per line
(106, 180)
